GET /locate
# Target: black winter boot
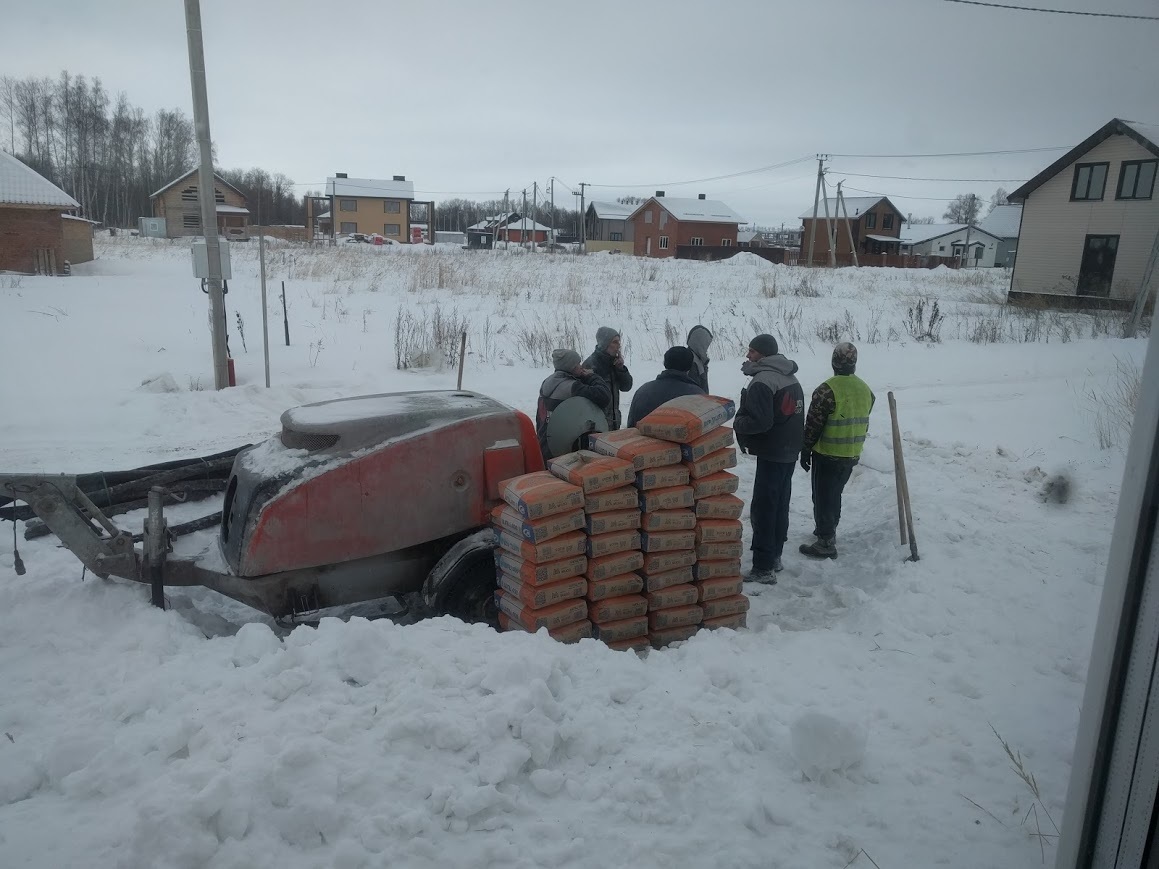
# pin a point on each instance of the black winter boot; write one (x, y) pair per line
(823, 547)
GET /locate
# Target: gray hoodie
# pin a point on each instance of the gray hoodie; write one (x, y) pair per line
(699, 340)
(770, 422)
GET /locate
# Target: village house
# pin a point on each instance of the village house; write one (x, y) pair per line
(179, 205)
(661, 225)
(951, 240)
(873, 224)
(370, 206)
(1003, 223)
(607, 227)
(524, 230)
(32, 224)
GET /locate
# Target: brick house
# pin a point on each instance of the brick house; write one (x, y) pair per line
(874, 223)
(661, 224)
(31, 224)
(178, 203)
(523, 230)
(371, 205)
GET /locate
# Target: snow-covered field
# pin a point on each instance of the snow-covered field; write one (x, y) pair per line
(200, 737)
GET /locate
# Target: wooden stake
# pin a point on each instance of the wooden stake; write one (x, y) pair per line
(903, 484)
(897, 469)
(462, 357)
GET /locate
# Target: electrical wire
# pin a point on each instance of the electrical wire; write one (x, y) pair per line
(954, 153)
(910, 178)
(713, 178)
(1056, 11)
(896, 196)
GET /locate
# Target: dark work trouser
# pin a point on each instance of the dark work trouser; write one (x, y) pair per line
(829, 478)
(769, 511)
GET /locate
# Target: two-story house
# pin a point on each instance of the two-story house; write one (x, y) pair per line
(661, 224)
(873, 224)
(370, 205)
(607, 227)
(179, 204)
(1089, 219)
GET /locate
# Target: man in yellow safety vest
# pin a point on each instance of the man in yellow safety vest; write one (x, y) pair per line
(834, 436)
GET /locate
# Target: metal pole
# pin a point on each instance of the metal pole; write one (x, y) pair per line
(1144, 290)
(553, 221)
(462, 358)
(206, 196)
(285, 315)
(265, 308)
(848, 225)
(523, 221)
(816, 198)
(583, 233)
(969, 226)
(904, 485)
(534, 211)
(155, 545)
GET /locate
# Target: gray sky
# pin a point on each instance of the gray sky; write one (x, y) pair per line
(470, 98)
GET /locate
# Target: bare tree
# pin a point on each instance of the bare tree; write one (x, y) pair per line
(999, 197)
(963, 209)
(918, 221)
(630, 200)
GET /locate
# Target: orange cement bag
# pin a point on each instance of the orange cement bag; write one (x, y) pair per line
(720, 483)
(536, 530)
(609, 544)
(675, 617)
(719, 530)
(532, 618)
(614, 565)
(624, 629)
(541, 494)
(539, 574)
(667, 579)
(662, 562)
(667, 499)
(616, 499)
(668, 520)
(630, 445)
(567, 546)
(719, 507)
(666, 541)
(593, 472)
(722, 586)
(723, 549)
(662, 478)
(736, 622)
(628, 606)
(728, 568)
(715, 440)
(725, 606)
(712, 463)
(673, 596)
(634, 644)
(684, 419)
(572, 633)
(667, 636)
(615, 586)
(613, 520)
(538, 596)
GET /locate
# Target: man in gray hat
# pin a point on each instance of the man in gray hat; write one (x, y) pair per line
(699, 340)
(608, 365)
(568, 380)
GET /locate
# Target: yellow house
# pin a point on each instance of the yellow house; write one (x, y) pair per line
(369, 205)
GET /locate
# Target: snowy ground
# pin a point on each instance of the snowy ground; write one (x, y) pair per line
(134, 737)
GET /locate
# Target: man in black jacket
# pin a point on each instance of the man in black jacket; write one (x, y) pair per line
(570, 379)
(608, 365)
(770, 425)
(674, 381)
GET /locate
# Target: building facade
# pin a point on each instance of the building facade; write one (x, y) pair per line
(179, 204)
(607, 227)
(31, 222)
(370, 206)
(661, 224)
(873, 227)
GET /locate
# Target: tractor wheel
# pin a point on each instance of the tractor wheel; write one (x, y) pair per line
(462, 584)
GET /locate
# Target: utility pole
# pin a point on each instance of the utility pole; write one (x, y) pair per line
(1144, 290)
(829, 233)
(969, 226)
(265, 306)
(816, 203)
(206, 196)
(507, 223)
(576, 229)
(534, 211)
(583, 233)
(553, 232)
(839, 208)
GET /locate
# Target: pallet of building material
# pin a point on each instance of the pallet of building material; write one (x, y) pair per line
(682, 420)
(592, 471)
(643, 452)
(507, 518)
(540, 494)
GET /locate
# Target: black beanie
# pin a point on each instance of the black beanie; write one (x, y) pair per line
(678, 359)
(766, 345)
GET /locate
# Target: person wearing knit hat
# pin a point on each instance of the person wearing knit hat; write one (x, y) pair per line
(568, 380)
(835, 433)
(674, 381)
(768, 426)
(608, 364)
(698, 341)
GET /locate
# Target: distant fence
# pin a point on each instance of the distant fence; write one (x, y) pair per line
(886, 260)
(706, 253)
(1059, 301)
(285, 232)
(791, 257)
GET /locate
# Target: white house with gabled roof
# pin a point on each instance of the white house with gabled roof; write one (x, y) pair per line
(951, 240)
(31, 224)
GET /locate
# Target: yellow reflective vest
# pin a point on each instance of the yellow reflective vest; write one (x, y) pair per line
(844, 432)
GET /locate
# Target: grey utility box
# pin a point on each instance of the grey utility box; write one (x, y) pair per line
(201, 259)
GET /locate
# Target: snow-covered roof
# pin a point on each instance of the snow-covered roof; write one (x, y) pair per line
(887, 239)
(854, 205)
(488, 223)
(20, 185)
(370, 187)
(694, 210)
(922, 232)
(325, 215)
(81, 219)
(528, 224)
(745, 235)
(612, 210)
(232, 209)
(217, 179)
(1003, 221)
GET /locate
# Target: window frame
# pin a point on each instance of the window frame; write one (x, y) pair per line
(386, 209)
(696, 241)
(726, 242)
(616, 236)
(887, 221)
(648, 216)
(353, 203)
(1074, 182)
(386, 229)
(663, 245)
(343, 224)
(1123, 172)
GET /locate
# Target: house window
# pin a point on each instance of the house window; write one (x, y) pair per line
(1089, 181)
(348, 205)
(871, 221)
(391, 206)
(392, 229)
(348, 226)
(663, 242)
(617, 236)
(1136, 179)
(978, 252)
(697, 242)
(189, 194)
(941, 248)
(647, 216)
(191, 220)
(726, 242)
(887, 221)
(663, 219)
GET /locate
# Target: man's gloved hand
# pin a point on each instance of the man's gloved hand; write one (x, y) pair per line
(806, 459)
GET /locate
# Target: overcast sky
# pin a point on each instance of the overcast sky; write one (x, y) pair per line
(471, 98)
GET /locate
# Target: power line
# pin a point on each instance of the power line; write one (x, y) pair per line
(713, 178)
(954, 154)
(909, 178)
(896, 196)
(1056, 11)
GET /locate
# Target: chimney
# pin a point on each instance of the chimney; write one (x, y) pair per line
(659, 194)
(400, 178)
(339, 174)
(700, 196)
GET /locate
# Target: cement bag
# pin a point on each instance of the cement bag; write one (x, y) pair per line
(662, 562)
(541, 494)
(615, 586)
(722, 586)
(538, 596)
(725, 606)
(567, 546)
(718, 439)
(719, 530)
(593, 472)
(609, 544)
(668, 520)
(532, 618)
(662, 478)
(719, 507)
(572, 633)
(727, 568)
(619, 631)
(630, 445)
(614, 609)
(616, 499)
(667, 499)
(536, 530)
(736, 622)
(673, 596)
(666, 541)
(667, 579)
(682, 420)
(675, 617)
(614, 565)
(539, 574)
(720, 483)
(633, 644)
(667, 636)
(723, 549)
(712, 463)
(613, 520)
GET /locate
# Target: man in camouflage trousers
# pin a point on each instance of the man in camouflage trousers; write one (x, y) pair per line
(835, 432)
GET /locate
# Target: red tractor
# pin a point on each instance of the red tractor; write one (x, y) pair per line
(356, 499)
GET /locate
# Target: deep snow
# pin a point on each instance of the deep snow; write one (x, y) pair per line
(200, 737)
